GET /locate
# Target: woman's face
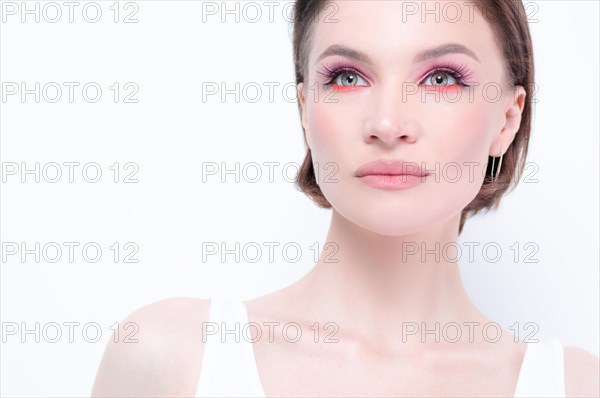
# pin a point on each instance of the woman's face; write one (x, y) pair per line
(395, 94)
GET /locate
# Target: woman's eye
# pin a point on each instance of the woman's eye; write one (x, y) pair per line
(441, 78)
(348, 79)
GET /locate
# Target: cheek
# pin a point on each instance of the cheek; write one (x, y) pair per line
(333, 132)
(326, 127)
(462, 133)
(458, 141)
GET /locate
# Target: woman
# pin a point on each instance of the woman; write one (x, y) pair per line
(389, 96)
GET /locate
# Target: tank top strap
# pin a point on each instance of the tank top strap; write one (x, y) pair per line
(542, 371)
(228, 363)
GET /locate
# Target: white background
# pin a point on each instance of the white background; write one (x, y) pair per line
(170, 132)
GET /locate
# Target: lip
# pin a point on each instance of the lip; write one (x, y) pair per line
(391, 168)
(395, 174)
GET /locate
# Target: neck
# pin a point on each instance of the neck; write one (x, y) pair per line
(373, 285)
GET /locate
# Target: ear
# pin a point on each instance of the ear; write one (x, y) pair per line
(512, 122)
(302, 100)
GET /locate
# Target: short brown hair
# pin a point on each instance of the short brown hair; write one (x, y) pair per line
(509, 23)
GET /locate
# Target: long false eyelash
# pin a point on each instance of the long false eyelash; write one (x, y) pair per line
(459, 72)
(331, 74)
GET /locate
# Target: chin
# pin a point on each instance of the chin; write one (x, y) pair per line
(396, 219)
(389, 222)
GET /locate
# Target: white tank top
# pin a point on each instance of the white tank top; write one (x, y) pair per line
(229, 366)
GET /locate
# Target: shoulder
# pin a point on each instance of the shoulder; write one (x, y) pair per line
(582, 373)
(163, 356)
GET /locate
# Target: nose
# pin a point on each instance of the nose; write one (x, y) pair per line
(391, 118)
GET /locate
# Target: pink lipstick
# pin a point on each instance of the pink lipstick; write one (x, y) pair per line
(395, 174)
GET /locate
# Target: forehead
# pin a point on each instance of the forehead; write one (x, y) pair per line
(395, 30)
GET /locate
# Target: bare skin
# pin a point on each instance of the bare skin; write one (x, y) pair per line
(372, 291)
(369, 358)
(167, 361)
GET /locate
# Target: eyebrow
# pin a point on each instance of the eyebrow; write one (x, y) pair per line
(448, 48)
